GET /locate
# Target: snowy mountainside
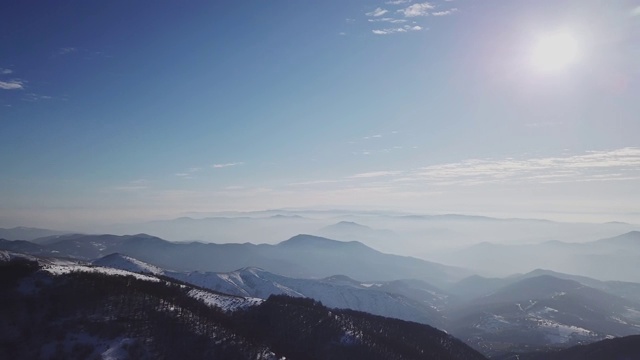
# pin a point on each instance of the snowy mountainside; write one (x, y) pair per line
(257, 283)
(543, 311)
(58, 267)
(76, 310)
(128, 263)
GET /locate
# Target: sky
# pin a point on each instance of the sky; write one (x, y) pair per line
(116, 111)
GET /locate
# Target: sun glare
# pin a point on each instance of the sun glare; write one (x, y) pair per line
(554, 51)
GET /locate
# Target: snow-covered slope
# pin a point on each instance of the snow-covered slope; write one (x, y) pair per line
(354, 295)
(336, 292)
(228, 303)
(126, 266)
(543, 310)
(124, 262)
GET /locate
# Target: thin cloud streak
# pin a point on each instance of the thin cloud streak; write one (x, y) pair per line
(404, 29)
(415, 10)
(373, 174)
(445, 13)
(389, 20)
(66, 50)
(11, 85)
(219, 166)
(611, 165)
(377, 12)
(591, 166)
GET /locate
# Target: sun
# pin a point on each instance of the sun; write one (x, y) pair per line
(554, 51)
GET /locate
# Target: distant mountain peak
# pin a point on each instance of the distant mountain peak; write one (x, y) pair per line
(351, 223)
(253, 270)
(282, 216)
(312, 240)
(346, 227)
(546, 282)
(632, 237)
(144, 236)
(340, 279)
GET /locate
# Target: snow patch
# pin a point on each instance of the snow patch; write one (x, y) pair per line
(224, 302)
(124, 262)
(57, 269)
(117, 350)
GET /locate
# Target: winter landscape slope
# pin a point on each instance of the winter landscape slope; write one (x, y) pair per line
(540, 312)
(524, 312)
(50, 311)
(381, 298)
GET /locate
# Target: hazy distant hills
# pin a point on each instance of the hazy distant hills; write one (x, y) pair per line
(477, 286)
(380, 239)
(398, 233)
(26, 247)
(524, 312)
(27, 233)
(537, 310)
(616, 258)
(303, 256)
(267, 228)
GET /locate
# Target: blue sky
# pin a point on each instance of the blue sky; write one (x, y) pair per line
(116, 110)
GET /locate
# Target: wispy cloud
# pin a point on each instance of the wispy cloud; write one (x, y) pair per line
(594, 166)
(134, 185)
(219, 166)
(36, 97)
(11, 85)
(397, 2)
(314, 182)
(620, 164)
(421, 9)
(66, 50)
(389, 20)
(377, 12)
(377, 136)
(189, 174)
(444, 13)
(403, 29)
(374, 174)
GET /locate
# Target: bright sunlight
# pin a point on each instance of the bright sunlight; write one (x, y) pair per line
(555, 51)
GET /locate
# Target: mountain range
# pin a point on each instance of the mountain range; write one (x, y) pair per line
(613, 258)
(303, 256)
(406, 300)
(63, 309)
(540, 310)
